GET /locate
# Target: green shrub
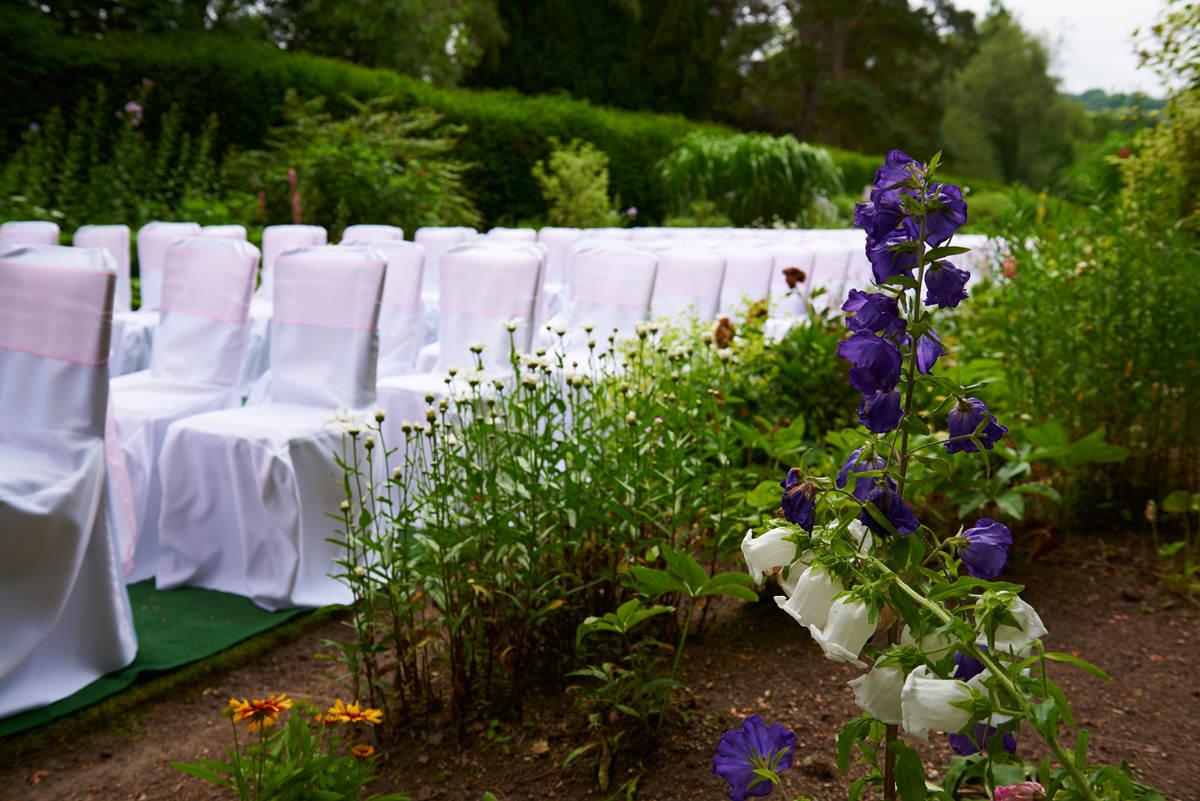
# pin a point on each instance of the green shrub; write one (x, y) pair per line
(752, 178)
(700, 214)
(574, 182)
(375, 165)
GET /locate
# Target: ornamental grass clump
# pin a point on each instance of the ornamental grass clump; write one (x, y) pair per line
(942, 653)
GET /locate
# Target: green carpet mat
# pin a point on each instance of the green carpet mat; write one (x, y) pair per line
(174, 628)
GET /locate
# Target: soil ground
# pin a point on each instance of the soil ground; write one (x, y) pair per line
(752, 660)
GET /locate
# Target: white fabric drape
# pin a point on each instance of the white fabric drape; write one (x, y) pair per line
(401, 322)
(65, 618)
(28, 232)
(688, 280)
(194, 368)
(247, 493)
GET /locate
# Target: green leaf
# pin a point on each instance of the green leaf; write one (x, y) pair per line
(910, 773)
(1177, 502)
(766, 494)
(654, 582)
(1070, 659)
(944, 251)
(685, 567)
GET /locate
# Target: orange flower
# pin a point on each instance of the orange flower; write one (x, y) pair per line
(362, 750)
(259, 713)
(352, 713)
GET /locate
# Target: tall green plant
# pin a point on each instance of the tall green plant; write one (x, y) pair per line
(754, 179)
(574, 182)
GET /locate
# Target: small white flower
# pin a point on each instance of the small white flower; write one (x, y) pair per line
(430, 416)
(725, 355)
(631, 418)
(345, 506)
(396, 473)
(379, 415)
(476, 347)
(360, 571)
(589, 328)
(1018, 640)
(452, 371)
(811, 597)
(764, 554)
(560, 329)
(878, 693)
(512, 325)
(530, 380)
(846, 632)
(925, 704)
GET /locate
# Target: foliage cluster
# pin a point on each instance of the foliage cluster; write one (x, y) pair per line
(574, 182)
(590, 492)
(754, 179)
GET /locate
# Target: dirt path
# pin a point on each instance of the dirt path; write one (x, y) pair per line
(754, 660)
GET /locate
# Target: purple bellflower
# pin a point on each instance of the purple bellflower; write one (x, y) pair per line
(799, 504)
(964, 419)
(893, 507)
(986, 550)
(966, 744)
(929, 350)
(947, 212)
(881, 411)
(873, 312)
(876, 361)
(945, 285)
(857, 464)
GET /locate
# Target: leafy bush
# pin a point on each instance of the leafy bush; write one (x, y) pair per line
(376, 164)
(574, 182)
(753, 178)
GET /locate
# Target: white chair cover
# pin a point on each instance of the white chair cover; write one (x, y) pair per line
(28, 232)
(689, 280)
(610, 288)
(247, 493)
(483, 287)
(65, 618)
(747, 276)
(436, 241)
(523, 234)
(276, 239)
(225, 231)
(830, 270)
(153, 239)
(371, 233)
(114, 239)
(195, 367)
(400, 317)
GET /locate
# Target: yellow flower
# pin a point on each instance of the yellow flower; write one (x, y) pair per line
(362, 751)
(352, 713)
(260, 713)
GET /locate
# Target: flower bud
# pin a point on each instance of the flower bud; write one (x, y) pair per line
(430, 415)
(369, 443)
(396, 473)
(452, 371)
(476, 347)
(345, 506)
(354, 431)
(631, 419)
(379, 415)
(1025, 791)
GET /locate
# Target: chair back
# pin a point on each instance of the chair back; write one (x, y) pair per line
(153, 239)
(278, 239)
(28, 232)
(747, 275)
(610, 288)
(203, 331)
(224, 231)
(55, 335)
(482, 287)
(688, 280)
(114, 239)
(323, 333)
(371, 233)
(437, 240)
(400, 320)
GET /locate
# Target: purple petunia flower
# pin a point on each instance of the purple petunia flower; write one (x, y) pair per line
(873, 311)
(884, 262)
(888, 501)
(881, 411)
(945, 285)
(798, 502)
(854, 464)
(964, 419)
(929, 349)
(950, 214)
(876, 361)
(986, 550)
(753, 747)
(965, 745)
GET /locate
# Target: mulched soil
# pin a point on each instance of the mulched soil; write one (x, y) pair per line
(752, 660)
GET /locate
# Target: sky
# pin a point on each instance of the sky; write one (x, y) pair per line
(1093, 42)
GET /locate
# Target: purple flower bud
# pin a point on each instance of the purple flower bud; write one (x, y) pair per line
(986, 550)
(945, 285)
(965, 745)
(877, 221)
(873, 311)
(881, 411)
(967, 667)
(888, 501)
(929, 349)
(967, 416)
(740, 752)
(884, 262)
(862, 486)
(947, 213)
(799, 504)
(876, 361)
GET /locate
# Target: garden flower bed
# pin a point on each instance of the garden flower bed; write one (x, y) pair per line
(750, 662)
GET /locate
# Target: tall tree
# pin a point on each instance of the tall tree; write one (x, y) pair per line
(1005, 117)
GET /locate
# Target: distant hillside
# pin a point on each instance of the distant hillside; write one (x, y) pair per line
(1100, 100)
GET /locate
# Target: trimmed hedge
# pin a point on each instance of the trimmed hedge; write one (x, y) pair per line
(243, 82)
